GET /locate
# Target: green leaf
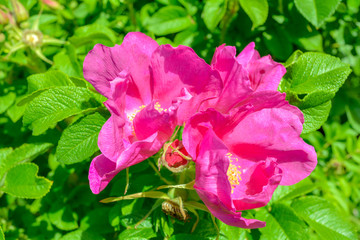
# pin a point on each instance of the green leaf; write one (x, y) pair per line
(79, 141)
(138, 234)
(82, 235)
(67, 62)
(22, 181)
(63, 217)
(169, 19)
(311, 81)
(2, 236)
(283, 193)
(315, 117)
(257, 10)
(37, 83)
(231, 232)
(25, 153)
(214, 11)
(6, 101)
(324, 218)
(282, 223)
(57, 104)
(93, 33)
(317, 11)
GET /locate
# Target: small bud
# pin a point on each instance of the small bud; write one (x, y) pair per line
(20, 11)
(4, 17)
(175, 156)
(53, 4)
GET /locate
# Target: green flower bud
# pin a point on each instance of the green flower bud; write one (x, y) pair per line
(20, 11)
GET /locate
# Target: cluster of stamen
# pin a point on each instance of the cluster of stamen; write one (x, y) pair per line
(132, 115)
(158, 107)
(233, 172)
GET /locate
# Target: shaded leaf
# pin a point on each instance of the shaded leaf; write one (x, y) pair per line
(257, 10)
(214, 11)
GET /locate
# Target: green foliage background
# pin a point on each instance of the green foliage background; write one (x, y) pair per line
(46, 145)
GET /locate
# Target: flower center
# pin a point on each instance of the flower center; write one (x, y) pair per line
(32, 38)
(158, 107)
(233, 172)
(133, 113)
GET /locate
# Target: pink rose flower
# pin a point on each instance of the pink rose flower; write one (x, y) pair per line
(241, 157)
(243, 74)
(150, 90)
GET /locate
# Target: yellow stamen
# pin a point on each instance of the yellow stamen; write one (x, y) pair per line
(233, 172)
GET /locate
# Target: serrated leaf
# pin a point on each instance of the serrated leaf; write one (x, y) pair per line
(63, 217)
(57, 104)
(317, 11)
(315, 117)
(257, 10)
(169, 19)
(22, 181)
(37, 83)
(94, 32)
(324, 218)
(79, 141)
(214, 11)
(282, 223)
(311, 82)
(24, 153)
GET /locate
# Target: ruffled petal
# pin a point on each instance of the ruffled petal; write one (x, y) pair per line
(179, 70)
(150, 120)
(234, 76)
(257, 185)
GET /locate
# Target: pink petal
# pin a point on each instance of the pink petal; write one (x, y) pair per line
(265, 131)
(103, 64)
(101, 171)
(248, 54)
(265, 74)
(197, 126)
(212, 183)
(179, 70)
(150, 120)
(234, 76)
(257, 185)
